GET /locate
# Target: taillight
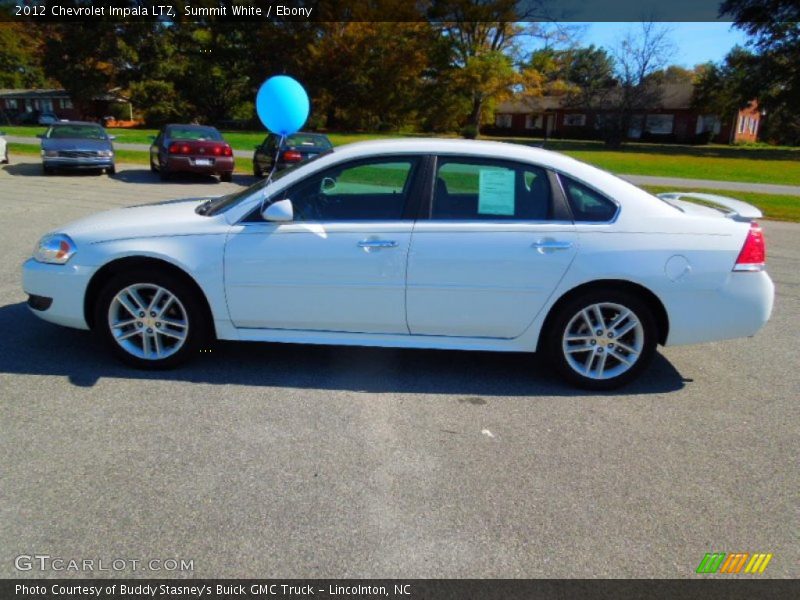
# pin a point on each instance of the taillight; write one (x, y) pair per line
(292, 156)
(176, 148)
(226, 150)
(754, 252)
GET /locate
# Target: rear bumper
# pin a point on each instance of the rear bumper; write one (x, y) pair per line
(56, 292)
(188, 164)
(739, 308)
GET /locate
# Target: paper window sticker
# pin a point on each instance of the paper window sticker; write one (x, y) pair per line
(496, 192)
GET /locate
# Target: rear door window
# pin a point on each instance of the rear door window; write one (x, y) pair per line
(487, 190)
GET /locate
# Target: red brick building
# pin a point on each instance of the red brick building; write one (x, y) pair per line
(26, 105)
(672, 119)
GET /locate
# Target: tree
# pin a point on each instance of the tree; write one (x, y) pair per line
(20, 57)
(638, 56)
(483, 36)
(86, 60)
(772, 74)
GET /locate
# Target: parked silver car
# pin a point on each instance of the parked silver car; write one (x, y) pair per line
(77, 145)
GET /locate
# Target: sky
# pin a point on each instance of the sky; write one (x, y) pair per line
(695, 42)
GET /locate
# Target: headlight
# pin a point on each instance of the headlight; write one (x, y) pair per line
(105, 153)
(55, 248)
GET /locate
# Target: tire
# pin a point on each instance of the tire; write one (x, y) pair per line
(257, 172)
(153, 167)
(164, 174)
(226, 177)
(176, 335)
(47, 170)
(111, 170)
(615, 357)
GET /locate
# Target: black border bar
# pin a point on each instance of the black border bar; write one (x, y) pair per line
(79, 11)
(400, 589)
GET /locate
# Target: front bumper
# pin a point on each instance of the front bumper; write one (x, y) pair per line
(65, 285)
(78, 163)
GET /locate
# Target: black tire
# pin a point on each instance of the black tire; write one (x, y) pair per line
(164, 174)
(153, 167)
(188, 307)
(111, 170)
(226, 177)
(48, 170)
(569, 315)
(257, 172)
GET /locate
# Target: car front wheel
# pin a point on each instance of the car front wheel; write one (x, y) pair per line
(150, 320)
(601, 339)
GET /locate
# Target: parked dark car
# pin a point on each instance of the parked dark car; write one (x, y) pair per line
(191, 149)
(77, 145)
(296, 148)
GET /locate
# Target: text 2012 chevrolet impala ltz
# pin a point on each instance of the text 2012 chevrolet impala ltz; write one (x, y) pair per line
(418, 244)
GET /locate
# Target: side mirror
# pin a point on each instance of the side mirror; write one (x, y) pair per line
(281, 211)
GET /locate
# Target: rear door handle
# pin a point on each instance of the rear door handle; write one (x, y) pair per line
(377, 244)
(552, 245)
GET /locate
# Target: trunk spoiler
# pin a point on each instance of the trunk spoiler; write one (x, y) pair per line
(735, 209)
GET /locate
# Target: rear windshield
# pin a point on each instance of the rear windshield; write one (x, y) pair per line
(308, 139)
(83, 132)
(194, 133)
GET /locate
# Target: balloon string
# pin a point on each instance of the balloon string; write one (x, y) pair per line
(275, 161)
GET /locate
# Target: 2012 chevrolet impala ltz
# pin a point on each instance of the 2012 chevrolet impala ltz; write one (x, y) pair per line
(419, 244)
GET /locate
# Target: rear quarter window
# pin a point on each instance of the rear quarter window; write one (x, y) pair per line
(587, 205)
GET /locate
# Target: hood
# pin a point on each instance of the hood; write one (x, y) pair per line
(75, 144)
(176, 217)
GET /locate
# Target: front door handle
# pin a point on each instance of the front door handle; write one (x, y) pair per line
(552, 245)
(368, 244)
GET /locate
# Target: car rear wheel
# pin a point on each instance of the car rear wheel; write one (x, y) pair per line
(164, 173)
(48, 170)
(227, 177)
(257, 172)
(150, 320)
(602, 339)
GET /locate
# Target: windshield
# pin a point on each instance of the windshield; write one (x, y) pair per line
(223, 203)
(83, 132)
(194, 133)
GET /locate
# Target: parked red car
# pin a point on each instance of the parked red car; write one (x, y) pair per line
(191, 149)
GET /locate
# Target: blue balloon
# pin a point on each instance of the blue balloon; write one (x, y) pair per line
(282, 105)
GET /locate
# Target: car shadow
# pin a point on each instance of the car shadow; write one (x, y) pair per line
(34, 347)
(28, 169)
(147, 177)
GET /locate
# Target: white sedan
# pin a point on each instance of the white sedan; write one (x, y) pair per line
(417, 244)
(3, 148)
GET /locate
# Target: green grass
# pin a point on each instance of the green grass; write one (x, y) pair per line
(780, 208)
(752, 163)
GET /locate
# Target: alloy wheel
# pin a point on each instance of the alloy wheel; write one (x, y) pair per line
(148, 321)
(603, 340)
